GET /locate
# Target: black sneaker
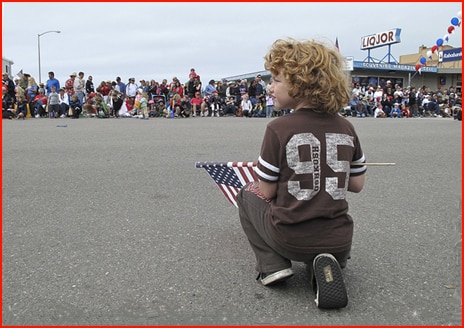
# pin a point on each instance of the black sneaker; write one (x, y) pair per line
(331, 291)
(272, 278)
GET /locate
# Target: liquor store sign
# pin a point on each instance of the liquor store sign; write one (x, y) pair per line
(381, 39)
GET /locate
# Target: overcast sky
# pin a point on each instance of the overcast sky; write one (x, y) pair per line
(162, 40)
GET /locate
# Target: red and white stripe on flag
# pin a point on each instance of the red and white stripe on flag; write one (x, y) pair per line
(230, 177)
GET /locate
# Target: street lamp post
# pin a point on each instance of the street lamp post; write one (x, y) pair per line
(38, 49)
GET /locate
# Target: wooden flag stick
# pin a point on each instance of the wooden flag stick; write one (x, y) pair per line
(373, 164)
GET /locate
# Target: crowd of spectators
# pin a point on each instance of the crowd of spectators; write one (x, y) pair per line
(79, 97)
(390, 101)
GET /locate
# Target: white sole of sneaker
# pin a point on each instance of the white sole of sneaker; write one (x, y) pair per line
(277, 277)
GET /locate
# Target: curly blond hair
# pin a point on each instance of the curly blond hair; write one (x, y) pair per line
(312, 70)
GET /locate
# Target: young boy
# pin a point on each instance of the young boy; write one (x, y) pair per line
(297, 211)
(53, 104)
(75, 106)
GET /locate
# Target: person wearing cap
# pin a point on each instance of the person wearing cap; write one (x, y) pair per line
(52, 81)
(69, 84)
(79, 87)
(388, 85)
(396, 111)
(131, 88)
(210, 88)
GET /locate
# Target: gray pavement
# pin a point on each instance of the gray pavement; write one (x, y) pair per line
(108, 222)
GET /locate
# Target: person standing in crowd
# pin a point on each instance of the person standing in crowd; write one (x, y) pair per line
(69, 84)
(79, 87)
(297, 209)
(89, 87)
(176, 88)
(243, 87)
(252, 92)
(269, 105)
(234, 91)
(222, 89)
(197, 84)
(122, 86)
(131, 88)
(191, 87)
(192, 73)
(24, 81)
(54, 104)
(260, 88)
(164, 88)
(260, 81)
(413, 107)
(52, 81)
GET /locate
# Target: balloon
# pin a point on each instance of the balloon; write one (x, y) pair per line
(434, 49)
(446, 38)
(423, 60)
(459, 15)
(429, 54)
(439, 42)
(455, 21)
(418, 67)
(450, 29)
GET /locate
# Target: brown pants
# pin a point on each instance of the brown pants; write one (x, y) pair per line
(270, 256)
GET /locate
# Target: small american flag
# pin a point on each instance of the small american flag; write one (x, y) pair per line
(230, 176)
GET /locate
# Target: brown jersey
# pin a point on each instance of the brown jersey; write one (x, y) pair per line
(308, 155)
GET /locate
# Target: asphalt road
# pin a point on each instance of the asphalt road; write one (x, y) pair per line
(108, 222)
